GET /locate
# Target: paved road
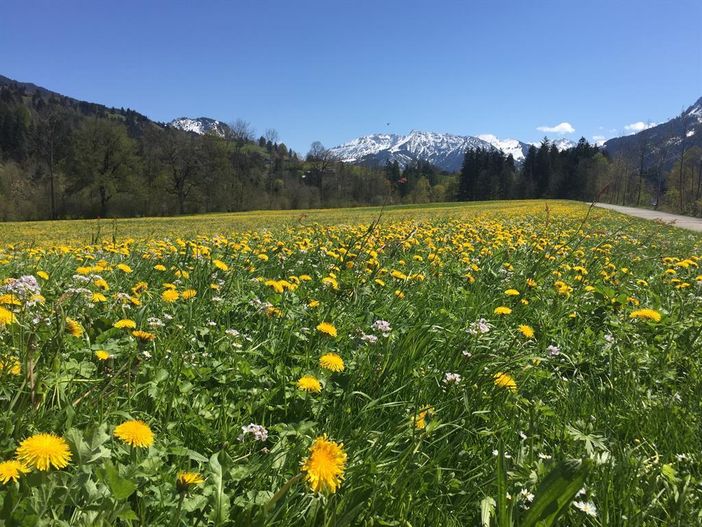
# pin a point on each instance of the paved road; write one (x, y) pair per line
(685, 222)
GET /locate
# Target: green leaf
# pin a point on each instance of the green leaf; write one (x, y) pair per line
(487, 509)
(220, 505)
(121, 487)
(556, 492)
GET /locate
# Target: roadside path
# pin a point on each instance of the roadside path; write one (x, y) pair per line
(684, 222)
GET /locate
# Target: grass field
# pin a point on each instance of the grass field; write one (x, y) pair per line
(506, 363)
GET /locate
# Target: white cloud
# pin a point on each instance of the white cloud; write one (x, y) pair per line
(639, 126)
(599, 139)
(562, 128)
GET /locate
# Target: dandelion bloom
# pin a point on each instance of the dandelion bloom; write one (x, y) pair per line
(6, 317)
(648, 314)
(125, 323)
(102, 354)
(324, 467)
(12, 470)
(186, 480)
(505, 380)
(502, 310)
(98, 297)
(219, 264)
(170, 295)
(420, 421)
(188, 294)
(135, 433)
(313, 304)
(527, 331)
(327, 329)
(512, 292)
(308, 383)
(331, 362)
(124, 268)
(143, 336)
(159, 267)
(74, 328)
(11, 365)
(43, 275)
(42, 451)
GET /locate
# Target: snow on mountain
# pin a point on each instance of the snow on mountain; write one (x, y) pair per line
(514, 147)
(201, 126)
(445, 151)
(561, 143)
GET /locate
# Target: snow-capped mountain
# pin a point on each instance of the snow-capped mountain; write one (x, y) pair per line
(512, 147)
(561, 143)
(661, 144)
(201, 126)
(445, 151)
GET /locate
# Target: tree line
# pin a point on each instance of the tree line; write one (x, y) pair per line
(62, 158)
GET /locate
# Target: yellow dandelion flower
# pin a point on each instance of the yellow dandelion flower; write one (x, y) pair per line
(219, 264)
(143, 336)
(505, 380)
(648, 314)
(331, 362)
(11, 470)
(399, 294)
(186, 480)
(102, 284)
(327, 328)
(10, 300)
(140, 287)
(11, 365)
(102, 355)
(42, 451)
(324, 467)
(135, 433)
(74, 328)
(188, 294)
(43, 275)
(512, 292)
(98, 297)
(308, 383)
(313, 304)
(170, 295)
(273, 311)
(159, 267)
(420, 420)
(502, 310)
(6, 317)
(124, 268)
(124, 323)
(527, 331)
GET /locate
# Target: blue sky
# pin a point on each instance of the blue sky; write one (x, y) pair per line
(332, 70)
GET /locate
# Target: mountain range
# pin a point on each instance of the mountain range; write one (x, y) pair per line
(660, 144)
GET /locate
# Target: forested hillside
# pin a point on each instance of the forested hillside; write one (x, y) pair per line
(65, 158)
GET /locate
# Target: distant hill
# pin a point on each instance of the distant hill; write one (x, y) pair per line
(661, 144)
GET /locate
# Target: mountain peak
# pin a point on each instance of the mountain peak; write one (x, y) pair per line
(446, 151)
(201, 126)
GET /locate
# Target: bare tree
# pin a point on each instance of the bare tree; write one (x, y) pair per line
(48, 140)
(322, 160)
(683, 137)
(242, 130)
(271, 135)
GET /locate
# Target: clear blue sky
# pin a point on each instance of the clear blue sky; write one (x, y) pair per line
(331, 70)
